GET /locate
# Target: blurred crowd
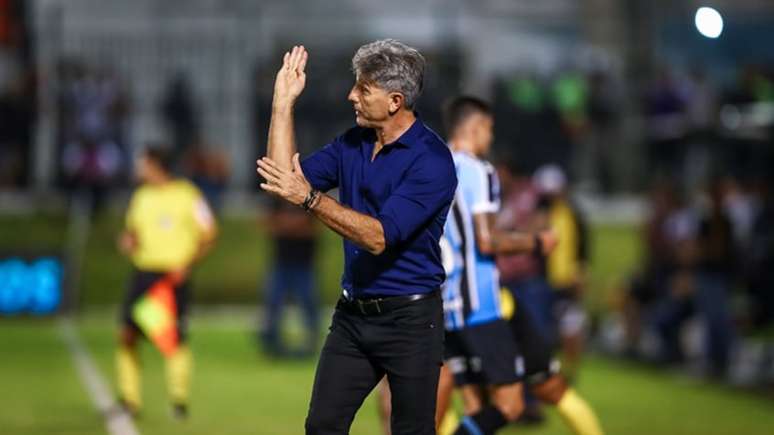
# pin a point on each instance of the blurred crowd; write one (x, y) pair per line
(572, 119)
(690, 126)
(707, 256)
(697, 128)
(708, 163)
(708, 244)
(592, 122)
(93, 149)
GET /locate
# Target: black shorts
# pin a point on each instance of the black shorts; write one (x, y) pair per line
(139, 284)
(535, 345)
(484, 355)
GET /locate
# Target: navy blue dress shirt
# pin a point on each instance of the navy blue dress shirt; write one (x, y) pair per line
(408, 187)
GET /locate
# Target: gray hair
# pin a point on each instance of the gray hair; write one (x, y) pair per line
(393, 66)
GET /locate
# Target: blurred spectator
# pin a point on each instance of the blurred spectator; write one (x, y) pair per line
(760, 267)
(701, 113)
(680, 227)
(604, 106)
(179, 112)
(570, 100)
(93, 113)
(17, 112)
(17, 95)
(741, 206)
(520, 200)
(522, 273)
(701, 284)
(701, 103)
(520, 104)
(647, 285)
(665, 125)
(91, 168)
(295, 239)
(209, 171)
(566, 266)
(717, 267)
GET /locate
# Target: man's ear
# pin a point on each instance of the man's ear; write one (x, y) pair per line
(396, 102)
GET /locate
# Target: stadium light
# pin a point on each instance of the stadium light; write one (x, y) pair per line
(708, 22)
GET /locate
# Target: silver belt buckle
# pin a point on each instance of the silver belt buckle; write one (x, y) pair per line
(362, 306)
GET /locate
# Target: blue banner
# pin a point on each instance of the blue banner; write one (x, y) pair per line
(30, 286)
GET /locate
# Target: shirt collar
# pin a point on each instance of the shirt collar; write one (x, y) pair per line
(411, 136)
(408, 138)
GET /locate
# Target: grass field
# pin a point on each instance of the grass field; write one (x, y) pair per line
(238, 391)
(234, 272)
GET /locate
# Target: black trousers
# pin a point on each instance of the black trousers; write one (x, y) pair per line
(406, 344)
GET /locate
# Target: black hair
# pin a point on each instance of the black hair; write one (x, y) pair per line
(160, 155)
(458, 109)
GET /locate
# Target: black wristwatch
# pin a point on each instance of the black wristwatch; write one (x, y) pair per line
(311, 197)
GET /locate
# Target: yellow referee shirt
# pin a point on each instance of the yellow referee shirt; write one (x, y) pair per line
(563, 264)
(170, 221)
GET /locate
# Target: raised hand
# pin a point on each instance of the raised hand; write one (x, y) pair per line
(291, 78)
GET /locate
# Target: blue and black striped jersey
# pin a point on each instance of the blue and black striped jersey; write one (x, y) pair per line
(471, 292)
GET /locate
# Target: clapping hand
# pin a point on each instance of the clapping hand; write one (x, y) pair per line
(291, 185)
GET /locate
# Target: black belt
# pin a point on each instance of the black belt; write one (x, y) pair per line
(381, 305)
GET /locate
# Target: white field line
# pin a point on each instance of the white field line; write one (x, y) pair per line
(117, 421)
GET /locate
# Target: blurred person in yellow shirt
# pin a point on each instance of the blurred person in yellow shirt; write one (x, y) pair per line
(565, 268)
(169, 227)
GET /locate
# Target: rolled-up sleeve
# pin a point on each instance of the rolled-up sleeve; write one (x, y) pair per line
(427, 189)
(321, 168)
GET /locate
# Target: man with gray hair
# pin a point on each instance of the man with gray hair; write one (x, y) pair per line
(396, 181)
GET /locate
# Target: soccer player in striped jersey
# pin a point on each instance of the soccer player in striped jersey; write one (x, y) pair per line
(482, 353)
